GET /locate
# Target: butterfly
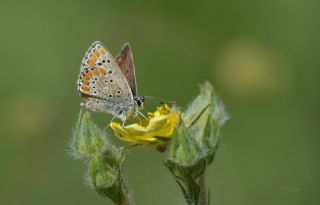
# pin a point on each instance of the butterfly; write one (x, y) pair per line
(108, 84)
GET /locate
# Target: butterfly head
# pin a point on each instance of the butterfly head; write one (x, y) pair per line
(139, 101)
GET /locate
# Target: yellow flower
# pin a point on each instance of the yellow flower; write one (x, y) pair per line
(157, 129)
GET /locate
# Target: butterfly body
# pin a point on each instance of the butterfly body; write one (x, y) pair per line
(108, 84)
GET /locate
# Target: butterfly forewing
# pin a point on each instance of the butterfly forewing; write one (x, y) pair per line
(102, 83)
(95, 56)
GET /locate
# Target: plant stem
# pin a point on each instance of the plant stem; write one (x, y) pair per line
(125, 202)
(202, 194)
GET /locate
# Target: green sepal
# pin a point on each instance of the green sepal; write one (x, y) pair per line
(88, 139)
(186, 177)
(107, 179)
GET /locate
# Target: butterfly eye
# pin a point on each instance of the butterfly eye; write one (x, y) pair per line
(139, 101)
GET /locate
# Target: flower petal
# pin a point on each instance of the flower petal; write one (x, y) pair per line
(155, 130)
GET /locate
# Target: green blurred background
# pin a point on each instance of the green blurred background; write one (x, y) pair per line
(261, 56)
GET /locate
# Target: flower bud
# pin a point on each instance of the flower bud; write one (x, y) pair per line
(88, 139)
(104, 159)
(195, 141)
(106, 178)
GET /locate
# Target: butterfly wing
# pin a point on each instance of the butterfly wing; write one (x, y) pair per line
(96, 56)
(102, 83)
(125, 62)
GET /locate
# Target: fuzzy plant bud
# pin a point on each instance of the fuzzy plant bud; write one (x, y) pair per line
(106, 178)
(88, 140)
(204, 118)
(105, 174)
(195, 141)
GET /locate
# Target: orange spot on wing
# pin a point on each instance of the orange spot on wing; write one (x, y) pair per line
(91, 63)
(103, 51)
(97, 53)
(85, 82)
(86, 77)
(103, 72)
(86, 89)
(85, 95)
(90, 74)
(94, 57)
(96, 71)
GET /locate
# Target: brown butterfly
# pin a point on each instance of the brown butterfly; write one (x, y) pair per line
(108, 84)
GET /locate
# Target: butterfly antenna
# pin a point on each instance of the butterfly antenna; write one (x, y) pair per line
(162, 100)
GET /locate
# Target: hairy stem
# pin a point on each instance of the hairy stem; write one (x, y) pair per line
(202, 194)
(126, 202)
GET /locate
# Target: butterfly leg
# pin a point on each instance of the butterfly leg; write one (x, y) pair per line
(116, 115)
(142, 115)
(111, 121)
(123, 122)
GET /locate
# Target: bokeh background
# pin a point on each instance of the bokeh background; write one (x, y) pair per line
(261, 56)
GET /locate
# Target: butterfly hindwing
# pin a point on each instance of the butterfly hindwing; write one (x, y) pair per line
(125, 62)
